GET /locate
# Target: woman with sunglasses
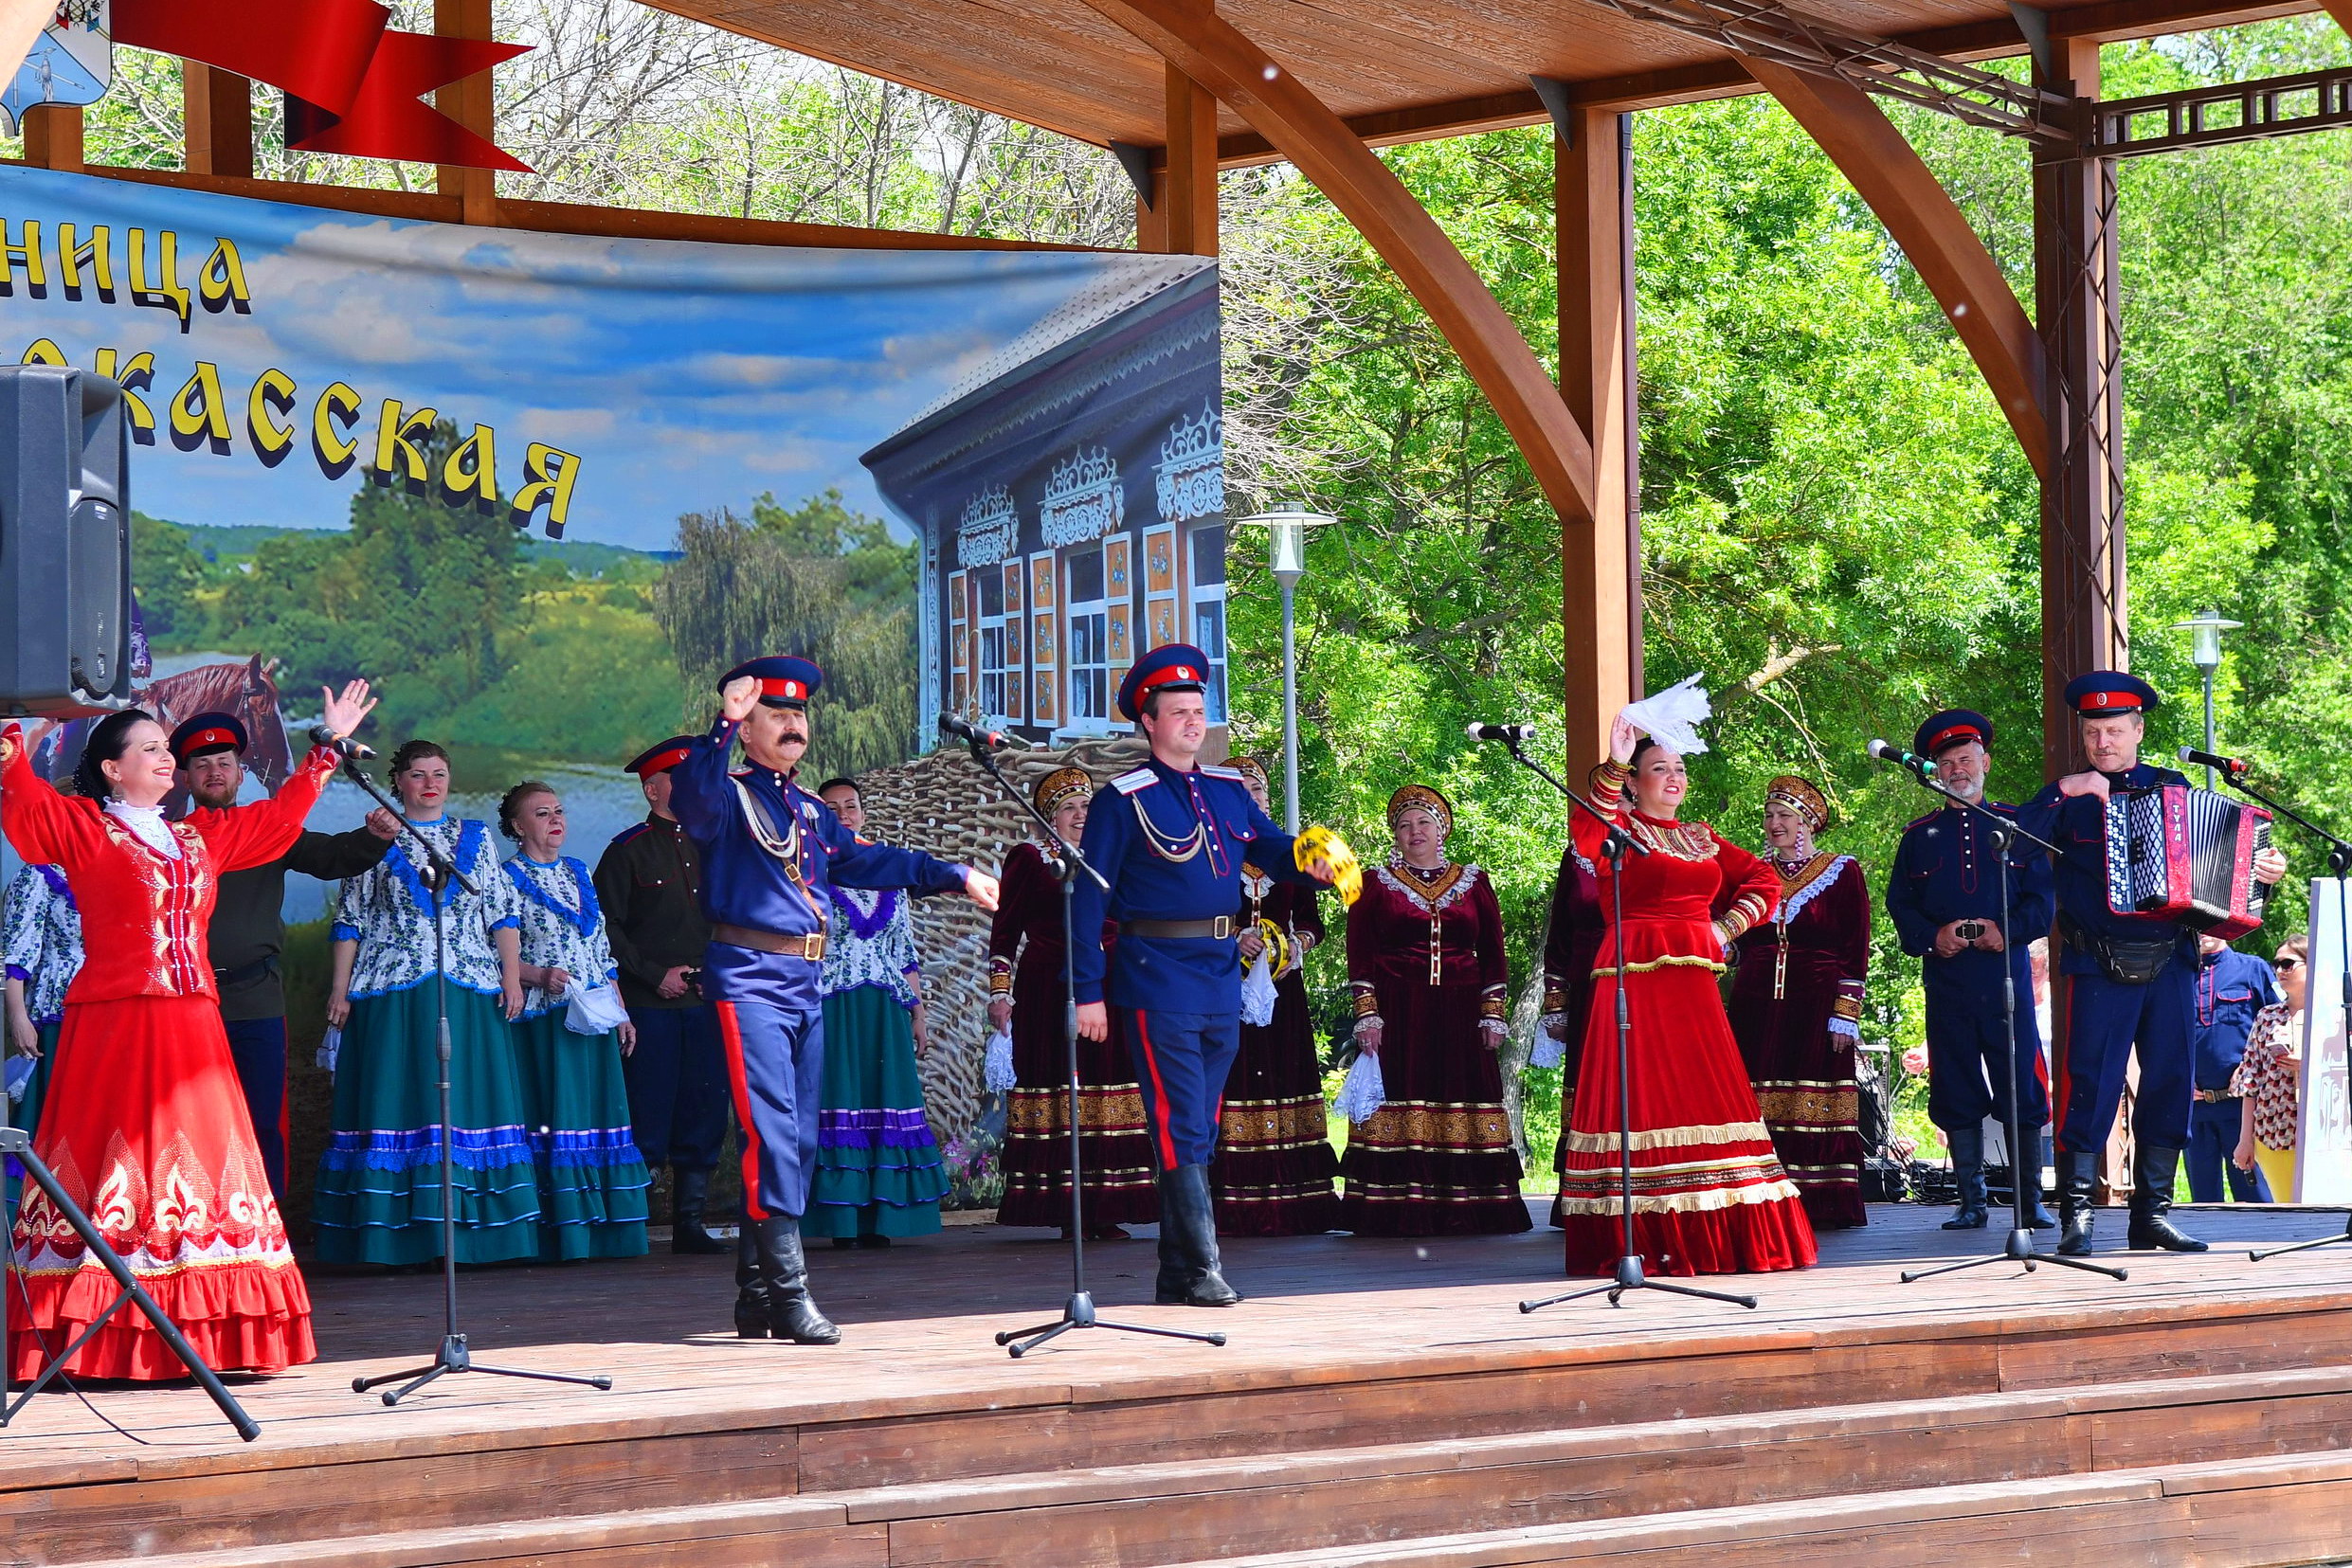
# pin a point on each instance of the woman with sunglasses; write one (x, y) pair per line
(2267, 1075)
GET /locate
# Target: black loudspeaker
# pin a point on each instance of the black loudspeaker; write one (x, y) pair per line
(64, 543)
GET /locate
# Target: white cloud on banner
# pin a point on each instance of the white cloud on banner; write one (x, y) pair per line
(686, 376)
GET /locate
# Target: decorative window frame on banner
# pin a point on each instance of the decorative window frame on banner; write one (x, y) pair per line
(1101, 434)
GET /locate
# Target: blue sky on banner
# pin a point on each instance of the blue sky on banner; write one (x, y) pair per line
(681, 376)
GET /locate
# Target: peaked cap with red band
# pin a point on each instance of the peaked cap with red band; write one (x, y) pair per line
(1170, 667)
(661, 758)
(1952, 727)
(208, 732)
(785, 681)
(2104, 691)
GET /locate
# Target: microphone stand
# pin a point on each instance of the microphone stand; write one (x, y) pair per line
(1065, 862)
(2340, 872)
(437, 872)
(1628, 1275)
(2000, 831)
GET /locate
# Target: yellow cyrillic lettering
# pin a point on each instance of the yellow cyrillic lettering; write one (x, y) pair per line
(42, 352)
(272, 389)
(28, 252)
(222, 279)
(164, 291)
(470, 477)
(540, 485)
(334, 450)
(133, 375)
(392, 432)
(198, 414)
(97, 253)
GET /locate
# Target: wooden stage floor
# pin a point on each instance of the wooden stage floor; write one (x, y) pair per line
(918, 1320)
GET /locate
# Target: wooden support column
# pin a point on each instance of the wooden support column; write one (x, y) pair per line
(1935, 237)
(217, 121)
(1600, 551)
(53, 135)
(1207, 48)
(1152, 216)
(468, 102)
(2085, 608)
(1188, 191)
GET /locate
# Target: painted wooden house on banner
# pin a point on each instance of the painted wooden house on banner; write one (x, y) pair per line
(1070, 498)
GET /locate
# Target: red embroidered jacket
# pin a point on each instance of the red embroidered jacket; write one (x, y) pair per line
(143, 915)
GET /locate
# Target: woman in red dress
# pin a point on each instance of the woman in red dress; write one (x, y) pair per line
(1426, 958)
(1797, 1006)
(1710, 1196)
(1275, 1162)
(145, 1126)
(1025, 991)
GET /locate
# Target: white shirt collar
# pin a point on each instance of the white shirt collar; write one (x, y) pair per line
(148, 823)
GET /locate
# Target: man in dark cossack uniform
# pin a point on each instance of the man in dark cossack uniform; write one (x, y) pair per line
(2125, 981)
(1171, 838)
(249, 932)
(650, 881)
(769, 849)
(1944, 895)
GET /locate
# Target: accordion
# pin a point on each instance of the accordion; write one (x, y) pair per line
(2186, 855)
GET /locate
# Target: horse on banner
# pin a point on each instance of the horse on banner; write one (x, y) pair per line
(247, 688)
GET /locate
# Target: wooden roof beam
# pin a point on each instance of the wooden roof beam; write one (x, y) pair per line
(1191, 37)
(2115, 21)
(1950, 259)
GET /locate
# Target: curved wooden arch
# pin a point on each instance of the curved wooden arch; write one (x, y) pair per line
(1210, 50)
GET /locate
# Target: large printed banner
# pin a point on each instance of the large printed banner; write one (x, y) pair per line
(280, 356)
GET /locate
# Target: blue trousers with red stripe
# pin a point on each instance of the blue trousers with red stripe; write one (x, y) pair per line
(1181, 1060)
(2101, 1020)
(258, 1046)
(1967, 1058)
(775, 1066)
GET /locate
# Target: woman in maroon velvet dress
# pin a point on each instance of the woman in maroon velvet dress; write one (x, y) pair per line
(1275, 1162)
(1025, 989)
(1796, 1003)
(1569, 946)
(1710, 1196)
(1426, 960)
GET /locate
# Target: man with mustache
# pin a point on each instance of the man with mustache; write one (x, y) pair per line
(768, 848)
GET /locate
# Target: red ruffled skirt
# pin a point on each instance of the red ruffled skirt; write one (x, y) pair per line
(146, 1131)
(1710, 1196)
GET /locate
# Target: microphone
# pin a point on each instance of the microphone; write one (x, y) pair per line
(2233, 767)
(1515, 734)
(1886, 752)
(321, 736)
(990, 740)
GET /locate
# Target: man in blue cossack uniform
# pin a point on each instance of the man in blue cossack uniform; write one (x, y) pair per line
(1944, 898)
(1171, 842)
(2125, 980)
(768, 848)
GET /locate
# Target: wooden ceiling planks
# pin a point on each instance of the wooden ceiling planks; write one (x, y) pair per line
(1398, 70)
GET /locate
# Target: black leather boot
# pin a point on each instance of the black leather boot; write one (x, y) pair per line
(752, 1298)
(792, 1312)
(1969, 1167)
(2036, 1218)
(2152, 1172)
(688, 1190)
(2076, 1172)
(1190, 1273)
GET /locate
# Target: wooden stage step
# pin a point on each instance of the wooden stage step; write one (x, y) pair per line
(2199, 1414)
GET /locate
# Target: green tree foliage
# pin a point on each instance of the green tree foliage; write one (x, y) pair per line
(415, 596)
(816, 580)
(167, 575)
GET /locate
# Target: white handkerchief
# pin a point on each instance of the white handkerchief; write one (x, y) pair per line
(1674, 715)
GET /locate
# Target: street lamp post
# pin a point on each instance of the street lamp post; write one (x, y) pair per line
(2205, 649)
(1285, 539)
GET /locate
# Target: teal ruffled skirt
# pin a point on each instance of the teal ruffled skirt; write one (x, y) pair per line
(878, 1170)
(378, 1197)
(592, 1180)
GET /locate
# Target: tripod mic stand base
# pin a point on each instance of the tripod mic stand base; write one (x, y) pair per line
(2303, 1246)
(2018, 1249)
(1079, 1312)
(1629, 1277)
(454, 1357)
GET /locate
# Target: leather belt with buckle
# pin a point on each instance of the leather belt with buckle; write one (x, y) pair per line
(809, 944)
(2213, 1096)
(1220, 929)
